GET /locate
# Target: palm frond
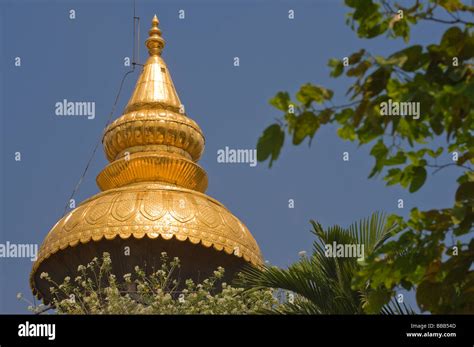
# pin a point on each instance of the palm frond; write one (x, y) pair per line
(395, 308)
(322, 283)
(306, 278)
(372, 232)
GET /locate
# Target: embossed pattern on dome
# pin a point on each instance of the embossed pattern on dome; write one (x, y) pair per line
(153, 211)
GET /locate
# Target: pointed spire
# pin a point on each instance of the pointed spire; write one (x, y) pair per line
(154, 88)
(155, 43)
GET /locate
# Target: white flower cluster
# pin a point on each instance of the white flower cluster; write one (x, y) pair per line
(96, 291)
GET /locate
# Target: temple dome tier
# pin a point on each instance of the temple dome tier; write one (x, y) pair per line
(149, 211)
(143, 130)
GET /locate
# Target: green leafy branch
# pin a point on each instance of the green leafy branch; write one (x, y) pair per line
(440, 78)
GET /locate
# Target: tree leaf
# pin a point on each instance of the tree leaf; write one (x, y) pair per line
(428, 295)
(465, 191)
(377, 81)
(451, 5)
(418, 179)
(412, 58)
(325, 115)
(355, 57)
(281, 101)
(309, 93)
(398, 159)
(376, 300)
(379, 151)
(337, 67)
(465, 157)
(401, 28)
(270, 143)
(344, 115)
(453, 41)
(393, 176)
(346, 133)
(306, 125)
(360, 69)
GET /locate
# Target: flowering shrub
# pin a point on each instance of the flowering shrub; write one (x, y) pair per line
(95, 290)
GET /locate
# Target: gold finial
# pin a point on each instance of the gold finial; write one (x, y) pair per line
(155, 43)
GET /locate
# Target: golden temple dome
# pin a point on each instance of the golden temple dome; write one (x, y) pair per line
(152, 197)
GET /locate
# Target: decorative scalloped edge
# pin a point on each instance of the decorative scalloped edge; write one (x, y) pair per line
(254, 259)
(107, 178)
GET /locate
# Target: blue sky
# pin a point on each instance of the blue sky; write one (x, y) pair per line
(82, 60)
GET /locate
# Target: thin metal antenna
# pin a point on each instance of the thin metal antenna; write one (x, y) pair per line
(136, 37)
(138, 41)
(133, 42)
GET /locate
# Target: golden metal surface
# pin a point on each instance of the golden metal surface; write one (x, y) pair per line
(146, 167)
(152, 210)
(152, 186)
(154, 126)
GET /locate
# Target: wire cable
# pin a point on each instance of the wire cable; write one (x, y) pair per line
(135, 48)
